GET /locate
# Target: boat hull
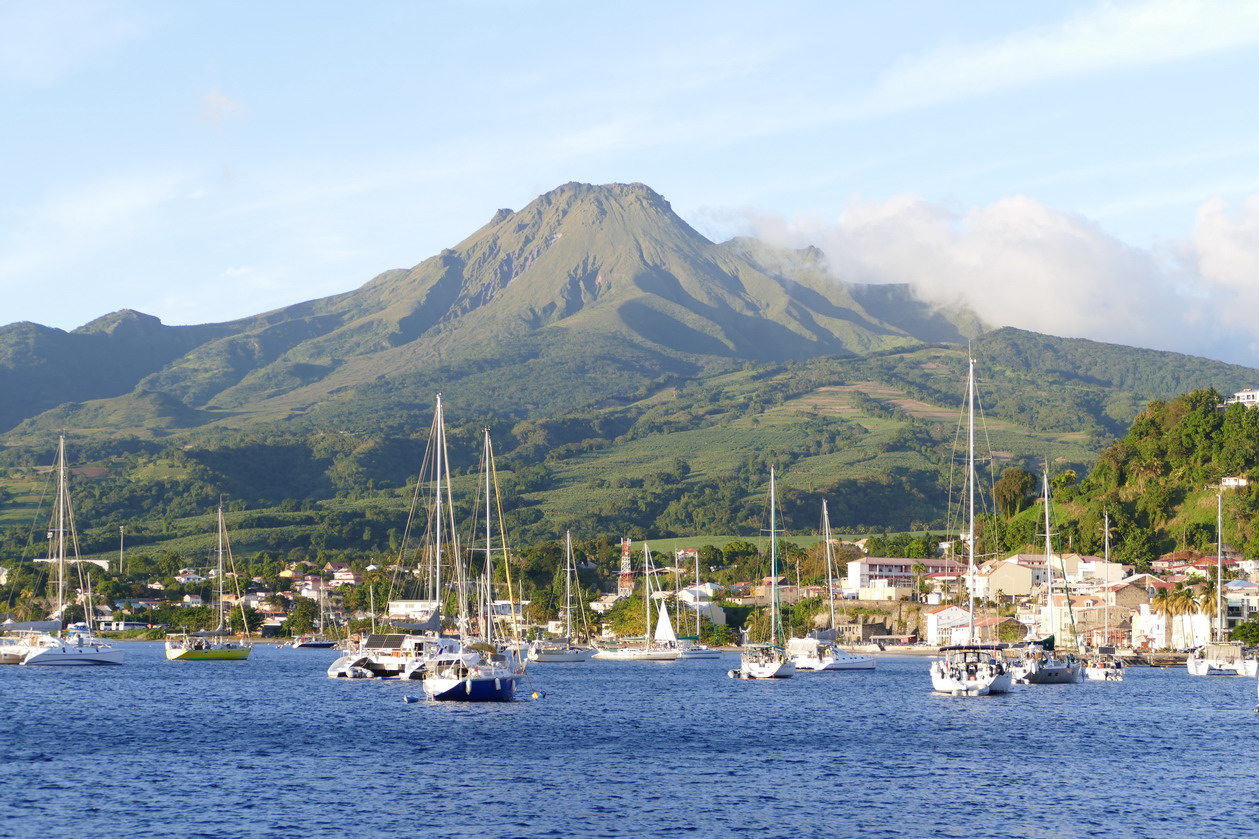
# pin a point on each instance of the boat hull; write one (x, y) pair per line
(1067, 674)
(971, 671)
(214, 648)
(781, 670)
(1207, 667)
(820, 665)
(554, 657)
(1104, 673)
(698, 653)
(227, 654)
(501, 688)
(637, 655)
(72, 655)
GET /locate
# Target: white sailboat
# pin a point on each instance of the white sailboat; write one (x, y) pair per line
(566, 649)
(316, 640)
(214, 645)
(690, 649)
(813, 654)
(1104, 665)
(1040, 663)
(656, 644)
(769, 660)
(76, 647)
(970, 669)
(482, 669)
(1221, 657)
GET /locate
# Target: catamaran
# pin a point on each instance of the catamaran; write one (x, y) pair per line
(971, 669)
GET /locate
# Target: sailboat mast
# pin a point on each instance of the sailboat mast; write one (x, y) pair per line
(220, 517)
(489, 550)
(439, 450)
(1049, 564)
(830, 569)
(61, 530)
(1219, 566)
(697, 626)
(646, 597)
(773, 559)
(970, 498)
(569, 570)
(1106, 555)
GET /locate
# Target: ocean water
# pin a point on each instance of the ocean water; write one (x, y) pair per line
(271, 747)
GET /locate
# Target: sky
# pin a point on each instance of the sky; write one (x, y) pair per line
(1081, 169)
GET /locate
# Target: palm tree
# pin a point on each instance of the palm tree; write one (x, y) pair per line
(1162, 604)
(1183, 603)
(919, 569)
(1207, 603)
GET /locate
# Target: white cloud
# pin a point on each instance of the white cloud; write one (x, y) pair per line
(1019, 263)
(1107, 37)
(1223, 261)
(217, 108)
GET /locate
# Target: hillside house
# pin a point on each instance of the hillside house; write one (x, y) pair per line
(1003, 578)
(895, 572)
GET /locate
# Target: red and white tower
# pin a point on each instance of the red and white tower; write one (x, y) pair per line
(625, 582)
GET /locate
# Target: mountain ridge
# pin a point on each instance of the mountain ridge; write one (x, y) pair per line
(588, 293)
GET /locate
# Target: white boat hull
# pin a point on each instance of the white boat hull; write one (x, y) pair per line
(1208, 667)
(62, 653)
(828, 663)
(559, 655)
(971, 671)
(966, 684)
(1061, 673)
(637, 654)
(1103, 673)
(764, 664)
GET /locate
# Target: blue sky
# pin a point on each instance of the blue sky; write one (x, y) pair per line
(1083, 169)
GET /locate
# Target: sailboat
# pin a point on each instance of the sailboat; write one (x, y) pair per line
(1221, 657)
(813, 653)
(691, 648)
(479, 669)
(970, 669)
(770, 660)
(77, 647)
(565, 649)
(1039, 663)
(214, 645)
(385, 654)
(316, 640)
(658, 645)
(1103, 665)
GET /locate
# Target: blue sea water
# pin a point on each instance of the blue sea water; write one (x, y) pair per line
(271, 747)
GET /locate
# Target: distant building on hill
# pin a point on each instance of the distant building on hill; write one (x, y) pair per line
(1248, 397)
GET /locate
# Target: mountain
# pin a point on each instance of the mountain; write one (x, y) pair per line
(588, 293)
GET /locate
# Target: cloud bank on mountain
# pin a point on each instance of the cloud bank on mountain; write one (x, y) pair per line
(1017, 262)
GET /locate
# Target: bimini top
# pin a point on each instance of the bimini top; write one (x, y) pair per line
(954, 647)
